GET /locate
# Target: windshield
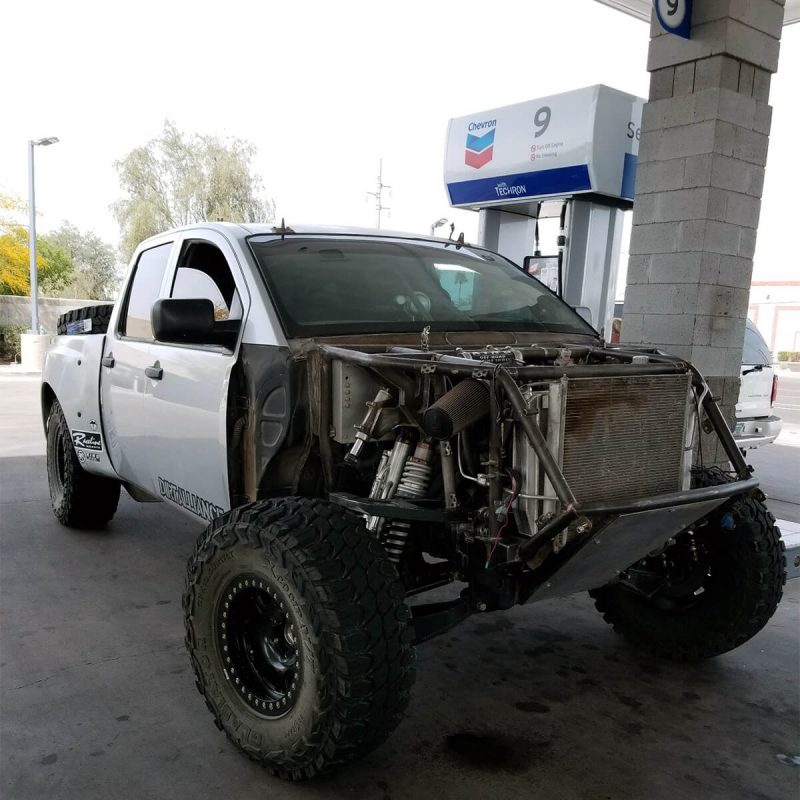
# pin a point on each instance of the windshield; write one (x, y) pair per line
(341, 285)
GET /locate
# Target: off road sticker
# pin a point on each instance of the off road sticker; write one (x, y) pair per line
(191, 502)
(81, 326)
(86, 456)
(87, 440)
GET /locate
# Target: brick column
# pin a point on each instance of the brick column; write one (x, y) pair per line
(699, 180)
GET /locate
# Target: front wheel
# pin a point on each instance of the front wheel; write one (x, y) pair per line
(714, 588)
(299, 634)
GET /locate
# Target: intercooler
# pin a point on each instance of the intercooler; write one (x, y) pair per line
(624, 438)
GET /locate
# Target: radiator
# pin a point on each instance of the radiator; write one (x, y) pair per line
(623, 437)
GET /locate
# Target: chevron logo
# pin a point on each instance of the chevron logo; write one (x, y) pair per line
(480, 149)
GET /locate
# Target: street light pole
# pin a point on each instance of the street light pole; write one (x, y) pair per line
(32, 230)
(32, 242)
(437, 224)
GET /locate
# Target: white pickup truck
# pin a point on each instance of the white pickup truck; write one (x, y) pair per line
(756, 424)
(358, 417)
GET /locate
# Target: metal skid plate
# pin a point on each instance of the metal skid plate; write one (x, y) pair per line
(622, 542)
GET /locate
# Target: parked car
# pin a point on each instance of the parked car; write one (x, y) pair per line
(756, 424)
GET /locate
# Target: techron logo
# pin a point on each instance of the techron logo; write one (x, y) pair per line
(504, 190)
(480, 143)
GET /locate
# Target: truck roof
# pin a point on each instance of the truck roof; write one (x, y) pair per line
(240, 230)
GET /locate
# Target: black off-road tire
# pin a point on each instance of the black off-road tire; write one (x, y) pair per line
(98, 318)
(747, 574)
(79, 499)
(351, 668)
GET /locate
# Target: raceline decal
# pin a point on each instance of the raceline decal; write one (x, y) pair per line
(87, 440)
(186, 499)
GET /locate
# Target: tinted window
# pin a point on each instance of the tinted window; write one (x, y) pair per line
(347, 285)
(144, 291)
(756, 350)
(203, 272)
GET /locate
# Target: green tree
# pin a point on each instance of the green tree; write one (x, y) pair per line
(96, 264)
(177, 179)
(58, 271)
(53, 263)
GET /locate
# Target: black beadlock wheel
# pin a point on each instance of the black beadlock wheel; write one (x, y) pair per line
(713, 589)
(299, 634)
(79, 498)
(89, 319)
(260, 645)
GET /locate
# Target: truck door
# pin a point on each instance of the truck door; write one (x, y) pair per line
(126, 360)
(186, 406)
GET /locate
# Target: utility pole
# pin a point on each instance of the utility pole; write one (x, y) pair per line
(378, 194)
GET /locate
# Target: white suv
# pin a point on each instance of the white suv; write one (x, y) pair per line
(755, 422)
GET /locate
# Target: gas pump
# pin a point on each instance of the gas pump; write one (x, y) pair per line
(567, 160)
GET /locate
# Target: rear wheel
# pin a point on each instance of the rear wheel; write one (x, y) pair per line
(710, 591)
(79, 499)
(299, 634)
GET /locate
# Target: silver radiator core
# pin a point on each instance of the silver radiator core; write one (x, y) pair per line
(623, 438)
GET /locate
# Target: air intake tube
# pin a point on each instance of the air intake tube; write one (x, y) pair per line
(459, 408)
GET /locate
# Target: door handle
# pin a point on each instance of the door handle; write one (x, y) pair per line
(108, 361)
(155, 372)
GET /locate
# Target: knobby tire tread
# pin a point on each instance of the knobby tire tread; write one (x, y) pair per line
(757, 544)
(357, 608)
(100, 315)
(87, 501)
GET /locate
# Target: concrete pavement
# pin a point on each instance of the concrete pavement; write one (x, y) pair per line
(778, 464)
(98, 701)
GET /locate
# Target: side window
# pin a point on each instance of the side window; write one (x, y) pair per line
(755, 350)
(203, 272)
(143, 292)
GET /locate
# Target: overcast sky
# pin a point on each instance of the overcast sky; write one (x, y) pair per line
(323, 90)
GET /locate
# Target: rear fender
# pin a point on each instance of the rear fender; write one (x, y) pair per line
(71, 375)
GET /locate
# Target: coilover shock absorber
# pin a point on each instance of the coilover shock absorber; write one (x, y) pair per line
(413, 483)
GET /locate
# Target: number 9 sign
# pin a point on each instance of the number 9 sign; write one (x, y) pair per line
(675, 16)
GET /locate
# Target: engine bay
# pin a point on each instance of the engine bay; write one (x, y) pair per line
(496, 465)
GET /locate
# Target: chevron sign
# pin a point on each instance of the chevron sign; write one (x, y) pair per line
(480, 146)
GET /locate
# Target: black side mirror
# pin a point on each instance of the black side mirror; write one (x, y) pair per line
(184, 321)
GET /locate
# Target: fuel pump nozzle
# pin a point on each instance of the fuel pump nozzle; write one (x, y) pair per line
(562, 241)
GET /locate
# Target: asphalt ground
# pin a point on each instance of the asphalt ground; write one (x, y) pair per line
(97, 698)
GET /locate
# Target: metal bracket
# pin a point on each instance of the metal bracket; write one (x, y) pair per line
(397, 508)
(433, 619)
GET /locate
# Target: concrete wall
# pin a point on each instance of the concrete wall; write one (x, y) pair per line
(17, 310)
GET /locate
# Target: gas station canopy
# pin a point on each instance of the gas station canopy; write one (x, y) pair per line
(641, 9)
